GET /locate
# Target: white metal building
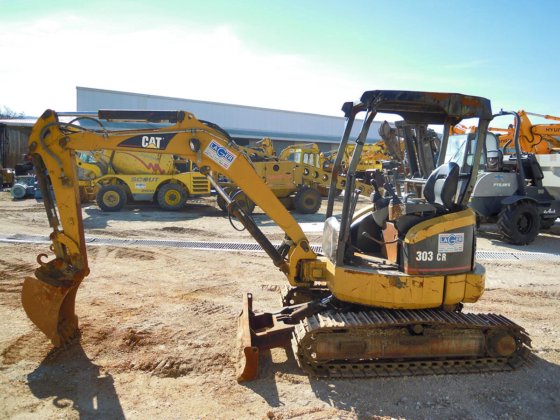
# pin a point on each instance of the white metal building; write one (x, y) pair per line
(246, 124)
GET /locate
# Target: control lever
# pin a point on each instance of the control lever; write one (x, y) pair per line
(396, 207)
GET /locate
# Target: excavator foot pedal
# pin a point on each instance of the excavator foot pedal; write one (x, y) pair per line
(257, 333)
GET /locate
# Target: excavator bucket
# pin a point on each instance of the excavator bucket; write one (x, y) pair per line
(257, 333)
(51, 308)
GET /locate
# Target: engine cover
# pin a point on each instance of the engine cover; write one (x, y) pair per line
(442, 245)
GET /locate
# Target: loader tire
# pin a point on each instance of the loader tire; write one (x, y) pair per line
(221, 202)
(325, 191)
(243, 201)
(172, 196)
(111, 198)
(307, 200)
(519, 223)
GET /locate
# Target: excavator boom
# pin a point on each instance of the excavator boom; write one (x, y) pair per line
(48, 298)
(540, 139)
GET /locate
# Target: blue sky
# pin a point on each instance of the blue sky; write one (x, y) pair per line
(302, 55)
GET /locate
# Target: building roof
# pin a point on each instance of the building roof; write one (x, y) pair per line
(19, 122)
(240, 121)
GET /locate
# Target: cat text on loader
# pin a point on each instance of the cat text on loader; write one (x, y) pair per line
(384, 299)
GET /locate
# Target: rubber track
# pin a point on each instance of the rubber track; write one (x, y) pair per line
(325, 322)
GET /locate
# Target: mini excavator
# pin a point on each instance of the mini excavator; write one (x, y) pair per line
(385, 296)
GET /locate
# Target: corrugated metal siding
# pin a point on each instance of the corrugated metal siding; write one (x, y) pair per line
(240, 121)
(13, 144)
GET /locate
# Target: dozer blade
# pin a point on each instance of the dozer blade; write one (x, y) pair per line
(255, 334)
(248, 358)
(51, 308)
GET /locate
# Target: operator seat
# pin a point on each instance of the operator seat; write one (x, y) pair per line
(439, 191)
(532, 169)
(441, 186)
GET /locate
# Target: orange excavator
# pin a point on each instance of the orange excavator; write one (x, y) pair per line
(539, 139)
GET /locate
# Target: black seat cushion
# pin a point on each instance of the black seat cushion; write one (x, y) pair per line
(441, 185)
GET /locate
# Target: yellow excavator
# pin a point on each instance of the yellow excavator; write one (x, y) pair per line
(262, 150)
(383, 298)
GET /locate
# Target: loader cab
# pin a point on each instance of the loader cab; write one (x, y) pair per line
(390, 226)
(308, 154)
(462, 147)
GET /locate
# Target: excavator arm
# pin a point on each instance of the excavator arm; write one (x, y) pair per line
(49, 297)
(533, 138)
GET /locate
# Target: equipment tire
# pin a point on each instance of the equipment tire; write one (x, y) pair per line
(111, 197)
(172, 196)
(307, 200)
(519, 223)
(221, 202)
(244, 202)
(547, 223)
(325, 191)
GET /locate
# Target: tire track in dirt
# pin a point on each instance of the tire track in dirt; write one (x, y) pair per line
(32, 347)
(12, 275)
(162, 352)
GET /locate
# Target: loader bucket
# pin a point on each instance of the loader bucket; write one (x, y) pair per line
(257, 333)
(51, 308)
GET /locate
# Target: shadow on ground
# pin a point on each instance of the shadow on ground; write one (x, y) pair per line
(97, 219)
(548, 241)
(73, 380)
(265, 385)
(529, 391)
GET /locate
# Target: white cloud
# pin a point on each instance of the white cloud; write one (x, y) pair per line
(50, 57)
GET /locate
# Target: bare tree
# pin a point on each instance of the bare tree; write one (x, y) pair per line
(9, 114)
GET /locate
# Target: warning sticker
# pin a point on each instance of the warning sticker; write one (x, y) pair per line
(219, 154)
(451, 242)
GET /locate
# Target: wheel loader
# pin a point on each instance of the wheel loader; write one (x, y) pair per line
(383, 298)
(297, 177)
(516, 191)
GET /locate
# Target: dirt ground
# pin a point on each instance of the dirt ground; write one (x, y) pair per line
(158, 331)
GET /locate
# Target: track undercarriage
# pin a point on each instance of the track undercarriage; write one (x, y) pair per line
(332, 339)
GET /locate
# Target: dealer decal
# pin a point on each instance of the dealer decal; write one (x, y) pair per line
(451, 242)
(219, 154)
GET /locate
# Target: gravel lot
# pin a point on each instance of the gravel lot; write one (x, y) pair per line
(158, 331)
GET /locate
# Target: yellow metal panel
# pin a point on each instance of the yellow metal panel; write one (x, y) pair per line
(474, 287)
(383, 289)
(454, 289)
(445, 223)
